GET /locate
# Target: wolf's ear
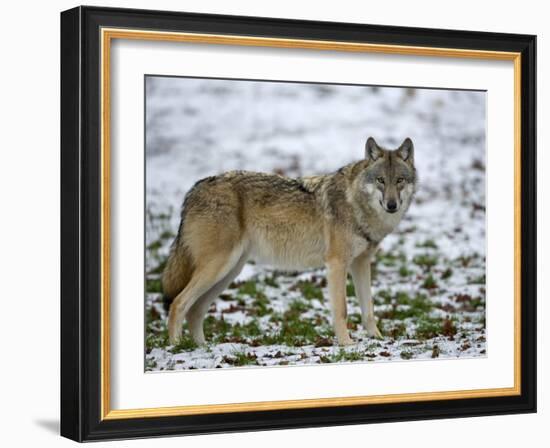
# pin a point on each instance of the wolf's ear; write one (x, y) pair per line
(406, 150)
(372, 150)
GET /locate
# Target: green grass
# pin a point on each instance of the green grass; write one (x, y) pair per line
(390, 258)
(185, 343)
(428, 244)
(393, 329)
(309, 290)
(301, 332)
(384, 296)
(238, 359)
(216, 330)
(155, 245)
(415, 307)
(153, 285)
(428, 328)
(248, 289)
(343, 355)
(471, 304)
(271, 281)
(425, 261)
(466, 260)
(260, 305)
(250, 329)
(167, 235)
(156, 339)
(293, 329)
(429, 282)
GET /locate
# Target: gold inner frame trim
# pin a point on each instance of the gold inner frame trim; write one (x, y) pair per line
(107, 35)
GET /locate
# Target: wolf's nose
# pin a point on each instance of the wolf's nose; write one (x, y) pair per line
(392, 205)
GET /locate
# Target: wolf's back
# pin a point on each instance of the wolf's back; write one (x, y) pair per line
(216, 212)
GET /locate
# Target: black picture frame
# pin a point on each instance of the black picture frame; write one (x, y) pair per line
(81, 224)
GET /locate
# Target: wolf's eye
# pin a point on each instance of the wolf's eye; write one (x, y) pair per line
(380, 180)
(400, 180)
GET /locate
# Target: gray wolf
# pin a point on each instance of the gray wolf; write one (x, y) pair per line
(336, 220)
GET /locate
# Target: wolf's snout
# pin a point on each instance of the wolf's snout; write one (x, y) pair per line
(391, 206)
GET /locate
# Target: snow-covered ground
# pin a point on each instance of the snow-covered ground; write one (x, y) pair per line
(429, 284)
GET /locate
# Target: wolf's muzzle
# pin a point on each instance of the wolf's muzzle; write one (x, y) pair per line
(391, 206)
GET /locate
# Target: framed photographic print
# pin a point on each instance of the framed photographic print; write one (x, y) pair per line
(273, 223)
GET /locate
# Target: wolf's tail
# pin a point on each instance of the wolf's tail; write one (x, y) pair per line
(177, 273)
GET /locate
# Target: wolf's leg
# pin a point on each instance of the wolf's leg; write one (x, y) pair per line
(204, 278)
(336, 275)
(360, 272)
(195, 315)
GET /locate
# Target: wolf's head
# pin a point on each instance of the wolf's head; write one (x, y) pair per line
(390, 176)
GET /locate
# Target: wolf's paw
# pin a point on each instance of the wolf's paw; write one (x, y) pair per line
(345, 340)
(174, 337)
(372, 329)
